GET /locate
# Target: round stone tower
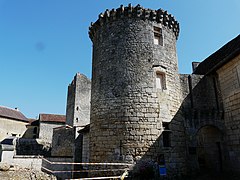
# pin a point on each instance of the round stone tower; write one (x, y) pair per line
(135, 84)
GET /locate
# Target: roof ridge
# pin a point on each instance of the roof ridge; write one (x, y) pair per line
(12, 113)
(9, 108)
(53, 114)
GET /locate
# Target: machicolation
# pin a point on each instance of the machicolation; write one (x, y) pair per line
(159, 16)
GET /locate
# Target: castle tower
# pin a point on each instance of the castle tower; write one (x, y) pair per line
(135, 83)
(78, 101)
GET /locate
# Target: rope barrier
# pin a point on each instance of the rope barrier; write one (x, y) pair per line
(125, 174)
(110, 164)
(94, 170)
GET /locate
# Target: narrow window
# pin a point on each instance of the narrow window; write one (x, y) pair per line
(58, 140)
(160, 81)
(158, 37)
(166, 135)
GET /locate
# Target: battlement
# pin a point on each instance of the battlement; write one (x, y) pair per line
(159, 16)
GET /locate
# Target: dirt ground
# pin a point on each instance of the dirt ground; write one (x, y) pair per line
(24, 174)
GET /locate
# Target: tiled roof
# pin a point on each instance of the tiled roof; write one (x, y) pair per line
(220, 57)
(12, 114)
(52, 118)
(33, 122)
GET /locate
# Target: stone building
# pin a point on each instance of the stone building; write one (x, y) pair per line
(136, 97)
(66, 140)
(78, 101)
(37, 139)
(143, 109)
(46, 124)
(13, 123)
(223, 67)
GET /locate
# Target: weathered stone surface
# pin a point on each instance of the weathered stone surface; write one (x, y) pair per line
(63, 142)
(78, 101)
(229, 83)
(33, 147)
(124, 91)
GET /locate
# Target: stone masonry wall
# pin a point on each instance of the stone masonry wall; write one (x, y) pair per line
(46, 130)
(63, 142)
(33, 147)
(127, 110)
(229, 80)
(85, 148)
(78, 101)
(9, 127)
(201, 107)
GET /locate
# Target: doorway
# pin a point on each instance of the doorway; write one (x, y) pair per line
(209, 149)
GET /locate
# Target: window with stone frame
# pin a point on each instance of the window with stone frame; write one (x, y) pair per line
(158, 36)
(160, 81)
(166, 135)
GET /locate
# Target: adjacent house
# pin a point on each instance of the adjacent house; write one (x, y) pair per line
(46, 124)
(37, 139)
(13, 122)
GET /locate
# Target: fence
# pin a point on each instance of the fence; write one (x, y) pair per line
(82, 171)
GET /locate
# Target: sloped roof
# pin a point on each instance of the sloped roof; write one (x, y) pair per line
(33, 122)
(12, 114)
(52, 118)
(220, 57)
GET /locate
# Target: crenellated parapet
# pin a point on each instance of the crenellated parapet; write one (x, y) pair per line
(159, 16)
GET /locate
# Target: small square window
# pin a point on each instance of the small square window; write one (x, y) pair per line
(158, 37)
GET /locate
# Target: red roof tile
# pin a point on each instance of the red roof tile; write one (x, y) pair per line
(12, 113)
(33, 122)
(52, 118)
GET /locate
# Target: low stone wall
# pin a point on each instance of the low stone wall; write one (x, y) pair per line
(8, 156)
(63, 142)
(33, 147)
(31, 162)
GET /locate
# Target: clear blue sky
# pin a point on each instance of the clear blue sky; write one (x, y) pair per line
(44, 43)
